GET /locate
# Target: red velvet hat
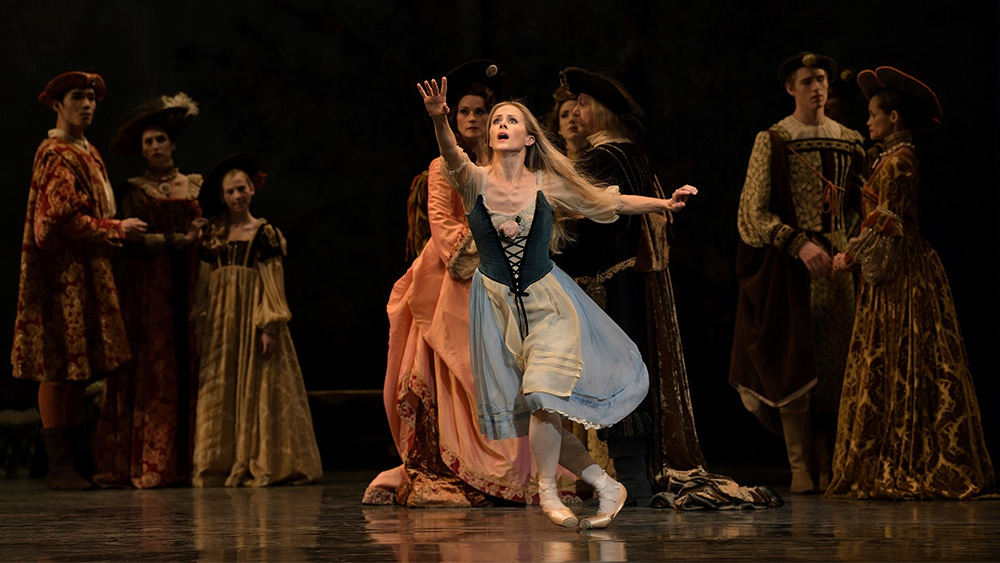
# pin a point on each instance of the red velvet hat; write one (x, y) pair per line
(889, 78)
(58, 86)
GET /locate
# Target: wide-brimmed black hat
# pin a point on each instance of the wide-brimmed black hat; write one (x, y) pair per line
(889, 78)
(173, 113)
(485, 72)
(808, 60)
(604, 89)
(212, 187)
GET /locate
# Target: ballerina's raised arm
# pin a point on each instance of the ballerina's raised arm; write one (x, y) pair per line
(436, 102)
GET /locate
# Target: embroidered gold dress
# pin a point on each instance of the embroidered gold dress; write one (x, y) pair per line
(909, 424)
(253, 424)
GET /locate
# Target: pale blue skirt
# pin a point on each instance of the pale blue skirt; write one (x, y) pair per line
(583, 340)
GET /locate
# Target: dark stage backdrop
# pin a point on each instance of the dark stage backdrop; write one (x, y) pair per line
(324, 91)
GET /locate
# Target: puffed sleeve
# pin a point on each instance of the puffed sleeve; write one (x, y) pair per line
(195, 181)
(62, 209)
(467, 178)
(875, 249)
(758, 226)
(450, 234)
(272, 310)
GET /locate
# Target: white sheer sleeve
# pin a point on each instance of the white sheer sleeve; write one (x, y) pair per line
(467, 178)
(600, 205)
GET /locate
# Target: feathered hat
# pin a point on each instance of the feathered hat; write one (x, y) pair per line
(173, 113)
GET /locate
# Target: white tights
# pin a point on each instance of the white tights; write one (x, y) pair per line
(551, 446)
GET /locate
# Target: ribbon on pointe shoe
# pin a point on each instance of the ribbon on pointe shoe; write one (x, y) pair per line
(603, 518)
(552, 505)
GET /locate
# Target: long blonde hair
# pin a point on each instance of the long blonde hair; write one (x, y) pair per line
(581, 192)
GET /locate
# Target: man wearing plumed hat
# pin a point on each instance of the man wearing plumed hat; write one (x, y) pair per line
(68, 329)
(794, 314)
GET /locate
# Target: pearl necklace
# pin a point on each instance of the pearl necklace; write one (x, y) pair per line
(896, 147)
(895, 142)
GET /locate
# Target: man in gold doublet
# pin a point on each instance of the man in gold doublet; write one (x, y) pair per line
(794, 314)
(68, 330)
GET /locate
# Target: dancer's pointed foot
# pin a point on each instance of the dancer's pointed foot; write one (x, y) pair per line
(561, 516)
(612, 497)
(552, 505)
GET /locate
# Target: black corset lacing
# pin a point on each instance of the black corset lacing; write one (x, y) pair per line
(513, 251)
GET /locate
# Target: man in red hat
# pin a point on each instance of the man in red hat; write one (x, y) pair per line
(68, 329)
(794, 314)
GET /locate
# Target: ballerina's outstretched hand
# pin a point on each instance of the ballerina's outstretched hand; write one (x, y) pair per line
(435, 98)
(437, 107)
(681, 195)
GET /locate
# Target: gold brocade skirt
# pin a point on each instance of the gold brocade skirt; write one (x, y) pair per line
(909, 423)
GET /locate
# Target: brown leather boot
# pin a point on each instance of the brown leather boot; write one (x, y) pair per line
(62, 475)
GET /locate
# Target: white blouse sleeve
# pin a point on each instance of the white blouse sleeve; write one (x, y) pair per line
(600, 205)
(467, 178)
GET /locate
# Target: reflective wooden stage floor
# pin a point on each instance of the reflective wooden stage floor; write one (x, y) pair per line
(326, 522)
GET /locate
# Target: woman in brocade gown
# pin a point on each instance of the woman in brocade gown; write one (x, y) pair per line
(145, 429)
(253, 425)
(541, 349)
(429, 394)
(909, 424)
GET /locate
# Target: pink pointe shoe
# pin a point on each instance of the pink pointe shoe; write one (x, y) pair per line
(552, 505)
(612, 495)
(561, 516)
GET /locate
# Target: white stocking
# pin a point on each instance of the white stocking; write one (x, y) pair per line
(545, 441)
(608, 490)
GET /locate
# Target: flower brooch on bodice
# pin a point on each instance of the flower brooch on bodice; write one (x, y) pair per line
(512, 228)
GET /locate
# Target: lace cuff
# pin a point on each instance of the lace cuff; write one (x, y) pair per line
(455, 171)
(465, 259)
